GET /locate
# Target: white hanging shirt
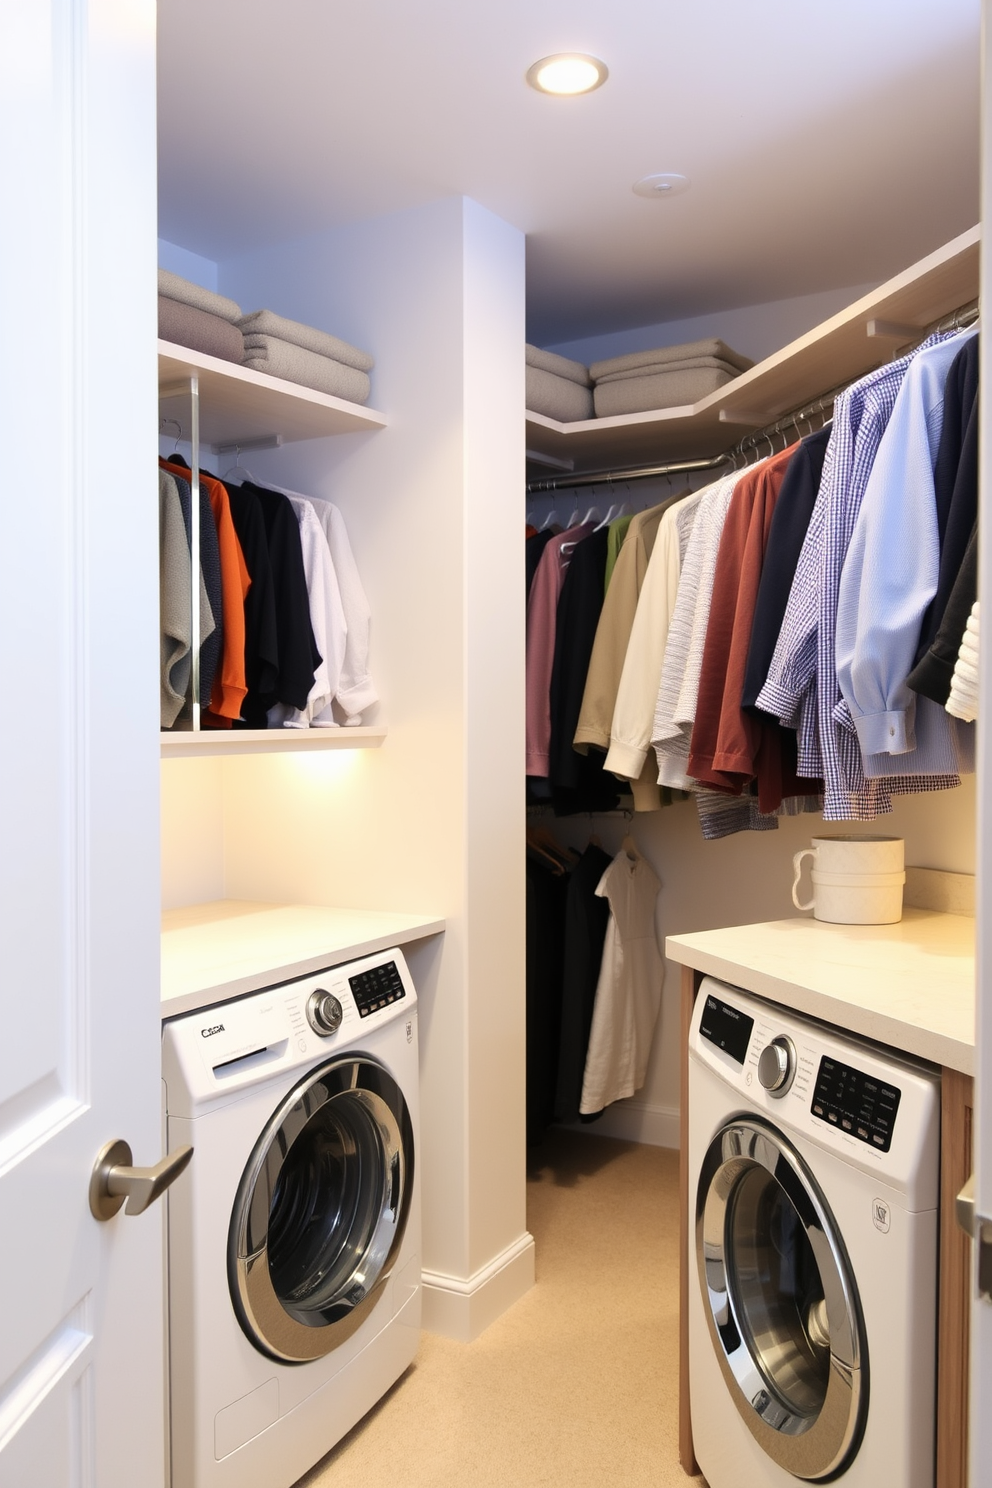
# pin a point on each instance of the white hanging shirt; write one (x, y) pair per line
(628, 993)
(326, 617)
(356, 690)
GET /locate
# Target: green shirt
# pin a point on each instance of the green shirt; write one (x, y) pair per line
(614, 542)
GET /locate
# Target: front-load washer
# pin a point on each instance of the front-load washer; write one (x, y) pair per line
(294, 1244)
(813, 1192)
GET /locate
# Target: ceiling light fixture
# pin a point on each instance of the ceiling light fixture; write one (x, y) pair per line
(661, 185)
(567, 73)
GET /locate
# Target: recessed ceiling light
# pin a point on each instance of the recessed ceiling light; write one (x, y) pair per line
(567, 73)
(665, 184)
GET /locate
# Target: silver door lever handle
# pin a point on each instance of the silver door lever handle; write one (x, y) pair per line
(114, 1180)
(980, 1230)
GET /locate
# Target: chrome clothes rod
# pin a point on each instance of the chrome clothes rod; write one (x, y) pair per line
(636, 472)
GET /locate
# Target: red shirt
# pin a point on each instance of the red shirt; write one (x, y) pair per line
(729, 747)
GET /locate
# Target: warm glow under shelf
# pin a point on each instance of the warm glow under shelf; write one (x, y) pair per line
(267, 741)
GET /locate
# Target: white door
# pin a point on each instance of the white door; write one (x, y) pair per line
(81, 1396)
(981, 1312)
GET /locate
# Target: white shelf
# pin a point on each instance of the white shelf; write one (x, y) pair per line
(238, 404)
(838, 351)
(189, 745)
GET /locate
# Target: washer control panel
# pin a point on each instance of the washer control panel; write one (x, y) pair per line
(856, 1103)
(814, 1083)
(376, 988)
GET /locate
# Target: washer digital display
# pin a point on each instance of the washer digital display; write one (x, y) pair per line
(727, 1027)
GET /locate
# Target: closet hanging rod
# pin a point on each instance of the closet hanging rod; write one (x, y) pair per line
(958, 319)
(635, 472)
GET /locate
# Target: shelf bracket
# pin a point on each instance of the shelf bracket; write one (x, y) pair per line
(755, 416)
(892, 330)
(243, 446)
(551, 461)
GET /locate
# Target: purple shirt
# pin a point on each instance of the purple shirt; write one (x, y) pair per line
(542, 609)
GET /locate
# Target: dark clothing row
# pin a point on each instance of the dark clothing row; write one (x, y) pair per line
(566, 931)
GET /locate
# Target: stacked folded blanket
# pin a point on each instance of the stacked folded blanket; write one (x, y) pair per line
(191, 316)
(299, 353)
(557, 387)
(668, 377)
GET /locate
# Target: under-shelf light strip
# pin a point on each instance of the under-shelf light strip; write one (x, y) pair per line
(750, 445)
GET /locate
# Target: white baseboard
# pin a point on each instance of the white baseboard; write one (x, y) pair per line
(462, 1308)
(636, 1121)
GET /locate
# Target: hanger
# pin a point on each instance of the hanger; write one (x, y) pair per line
(238, 468)
(551, 520)
(630, 849)
(612, 513)
(542, 845)
(592, 515)
(175, 447)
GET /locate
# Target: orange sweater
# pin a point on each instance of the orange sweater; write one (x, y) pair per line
(230, 687)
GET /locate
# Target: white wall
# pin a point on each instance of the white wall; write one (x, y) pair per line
(192, 831)
(434, 820)
(738, 881)
(753, 330)
(188, 265)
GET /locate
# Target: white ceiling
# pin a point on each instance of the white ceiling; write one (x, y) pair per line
(827, 145)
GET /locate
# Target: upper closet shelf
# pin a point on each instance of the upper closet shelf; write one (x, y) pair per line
(838, 351)
(238, 404)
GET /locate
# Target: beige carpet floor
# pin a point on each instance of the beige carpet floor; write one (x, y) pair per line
(577, 1385)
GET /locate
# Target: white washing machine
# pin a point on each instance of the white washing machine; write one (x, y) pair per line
(813, 1184)
(294, 1240)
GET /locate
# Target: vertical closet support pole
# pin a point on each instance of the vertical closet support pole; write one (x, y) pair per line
(194, 543)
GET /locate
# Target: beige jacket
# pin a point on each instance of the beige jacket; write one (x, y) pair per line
(633, 715)
(613, 630)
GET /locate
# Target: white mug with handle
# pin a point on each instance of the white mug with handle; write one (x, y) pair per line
(856, 880)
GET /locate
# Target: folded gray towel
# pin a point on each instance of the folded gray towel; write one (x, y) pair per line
(268, 323)
(557, 397)
(660, 390)
(306, 368)
(186, 293)
(184, 325)
(690, 364)
(662, 355)
(550, 361)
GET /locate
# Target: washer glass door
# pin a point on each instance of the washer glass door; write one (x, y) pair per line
(320, 1210)
(780, 1301)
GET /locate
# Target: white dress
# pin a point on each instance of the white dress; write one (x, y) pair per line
(628, 993)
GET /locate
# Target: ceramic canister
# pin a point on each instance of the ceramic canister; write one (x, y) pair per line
(857, 880)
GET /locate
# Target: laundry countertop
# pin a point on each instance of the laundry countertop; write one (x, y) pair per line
(213, 952)
(909, 985)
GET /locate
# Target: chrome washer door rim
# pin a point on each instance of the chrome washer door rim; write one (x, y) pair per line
(812, 1445)
(364, 1091)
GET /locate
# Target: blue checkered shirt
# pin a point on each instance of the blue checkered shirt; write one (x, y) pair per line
(801, 689)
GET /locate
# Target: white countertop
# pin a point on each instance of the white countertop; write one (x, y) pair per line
(213, 952)
(910, 985)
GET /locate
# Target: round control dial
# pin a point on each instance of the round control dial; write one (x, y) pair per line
(777, 1065)
(324, 1012)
